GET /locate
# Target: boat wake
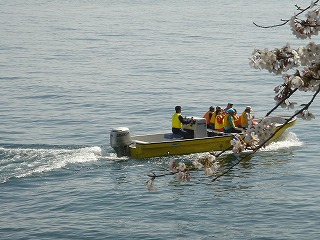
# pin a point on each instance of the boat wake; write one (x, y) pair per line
(24, 161)
(286, 141)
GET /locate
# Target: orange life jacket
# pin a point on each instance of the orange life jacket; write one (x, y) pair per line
(207, 117)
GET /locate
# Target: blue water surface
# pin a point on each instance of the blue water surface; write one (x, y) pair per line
(73, 70)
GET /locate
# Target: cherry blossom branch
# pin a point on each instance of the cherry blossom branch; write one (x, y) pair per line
(176, 168)
(282, 101)
(305, 107)
(288, 20)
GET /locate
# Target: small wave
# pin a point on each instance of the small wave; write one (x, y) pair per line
(107, 153)
(23, 162)
(287, 140)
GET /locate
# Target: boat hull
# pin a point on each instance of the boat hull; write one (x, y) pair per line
(179, 147)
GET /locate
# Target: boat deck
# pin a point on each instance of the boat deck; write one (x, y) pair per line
(170, 137)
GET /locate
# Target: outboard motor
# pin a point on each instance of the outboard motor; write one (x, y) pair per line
(120, 139)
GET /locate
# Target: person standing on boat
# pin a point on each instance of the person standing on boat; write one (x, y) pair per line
(229, 123)
(246, 116)
(208, 116)
(177, 121)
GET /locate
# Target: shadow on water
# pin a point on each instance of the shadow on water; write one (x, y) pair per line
(229, 160)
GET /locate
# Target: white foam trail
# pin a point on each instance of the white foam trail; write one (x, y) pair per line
(21, 163)
(108, 154)
(287, 140)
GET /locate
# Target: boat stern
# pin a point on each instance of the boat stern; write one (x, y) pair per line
(120, 139)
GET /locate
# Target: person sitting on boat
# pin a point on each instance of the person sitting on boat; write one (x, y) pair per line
(218, 125)
(208, 116)
(246, 116)
(177, 121)
(229, 105)
(237, 120)
(229, 123)
(213, 117)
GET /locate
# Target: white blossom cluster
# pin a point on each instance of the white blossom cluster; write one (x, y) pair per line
(181, 169)
(237, 144)
(281, 60)
(259, 132)
(208, 163)
(305, 81)
(310, 54)
(282, 93)
(254, 135)
(150, 184)
(308, 27)
(275, 61)
(306, 115)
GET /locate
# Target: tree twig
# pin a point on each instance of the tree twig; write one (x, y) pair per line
(282, 101)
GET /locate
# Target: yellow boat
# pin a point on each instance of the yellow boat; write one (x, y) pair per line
(165, 144)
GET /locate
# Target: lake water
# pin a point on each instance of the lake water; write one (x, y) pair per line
(73, 70)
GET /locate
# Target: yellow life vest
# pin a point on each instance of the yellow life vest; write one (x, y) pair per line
(237, 120)
(225, 120)
(213, 118)
(218, 125)
(244, 121)
(226, 123)
(175, 121)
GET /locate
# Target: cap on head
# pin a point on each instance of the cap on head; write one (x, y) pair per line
(230, 110)
(248, 108)
(218, 107)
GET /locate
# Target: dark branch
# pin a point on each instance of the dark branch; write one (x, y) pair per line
(272, 26)
(282, 101)
(161, 175)
(288, 20)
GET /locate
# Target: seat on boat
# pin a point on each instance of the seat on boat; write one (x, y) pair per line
(172, 136)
